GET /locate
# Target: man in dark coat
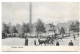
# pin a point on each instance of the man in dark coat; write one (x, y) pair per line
(74, 37)
(70, 43)
(26, 41)
(35, 42)
(57, 43)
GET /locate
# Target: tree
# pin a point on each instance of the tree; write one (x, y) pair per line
(74, 26)
(26, 28)
(11, 30)
(40, 27)
(77, 26)
(15, 30)
(5, 28)
(19, 28)
(62, 31)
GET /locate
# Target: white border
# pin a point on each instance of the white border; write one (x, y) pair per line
(40, 0)
(31, 1)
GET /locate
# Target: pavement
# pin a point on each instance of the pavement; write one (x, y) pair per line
(21, 41)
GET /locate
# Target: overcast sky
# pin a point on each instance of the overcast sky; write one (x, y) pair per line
(18, 12)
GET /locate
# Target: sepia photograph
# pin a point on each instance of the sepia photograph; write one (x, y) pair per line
(40, 24)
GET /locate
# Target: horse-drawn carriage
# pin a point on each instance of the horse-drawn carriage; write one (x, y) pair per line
(48, 40)
(44, 41)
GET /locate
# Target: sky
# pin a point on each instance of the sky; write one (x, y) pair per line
(48, 12)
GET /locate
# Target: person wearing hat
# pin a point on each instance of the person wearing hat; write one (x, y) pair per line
(70, 43)
(57, 43)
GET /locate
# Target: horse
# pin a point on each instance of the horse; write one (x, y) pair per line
(41, 42)
(46, 41)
